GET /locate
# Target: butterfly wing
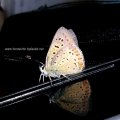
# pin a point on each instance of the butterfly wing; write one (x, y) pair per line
(62, 38)
(68, 60)
(73, 36)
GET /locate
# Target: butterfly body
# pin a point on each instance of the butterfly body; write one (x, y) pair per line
(64, 56)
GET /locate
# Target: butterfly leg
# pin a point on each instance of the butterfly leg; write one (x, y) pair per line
(40, 77)
(67, 77)
(50, 80)
(43, 78)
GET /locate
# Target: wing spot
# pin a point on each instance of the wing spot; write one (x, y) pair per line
(79, 58)
(62, 45)
(77, 54)
(75, 64)
(53, 52)
(59, 38)
(56, 46)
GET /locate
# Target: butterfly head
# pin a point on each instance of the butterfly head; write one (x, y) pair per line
(43, 71)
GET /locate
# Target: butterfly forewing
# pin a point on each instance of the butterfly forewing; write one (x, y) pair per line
(62, 38)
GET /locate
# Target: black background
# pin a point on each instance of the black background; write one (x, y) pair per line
(98, 30)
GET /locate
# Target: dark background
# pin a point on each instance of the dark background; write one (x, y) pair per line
(98, 30)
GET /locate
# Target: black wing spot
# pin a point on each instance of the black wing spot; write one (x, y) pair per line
(53, 52)
(56, 46)
(62, 45)
(75, 64)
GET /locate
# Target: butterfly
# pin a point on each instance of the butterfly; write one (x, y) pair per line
(64, 56)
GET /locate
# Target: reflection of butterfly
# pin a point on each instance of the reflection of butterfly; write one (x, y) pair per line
(64, 56)
(74, 98)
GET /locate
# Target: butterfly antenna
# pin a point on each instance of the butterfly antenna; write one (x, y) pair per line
(41, 63)
(30, 58)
